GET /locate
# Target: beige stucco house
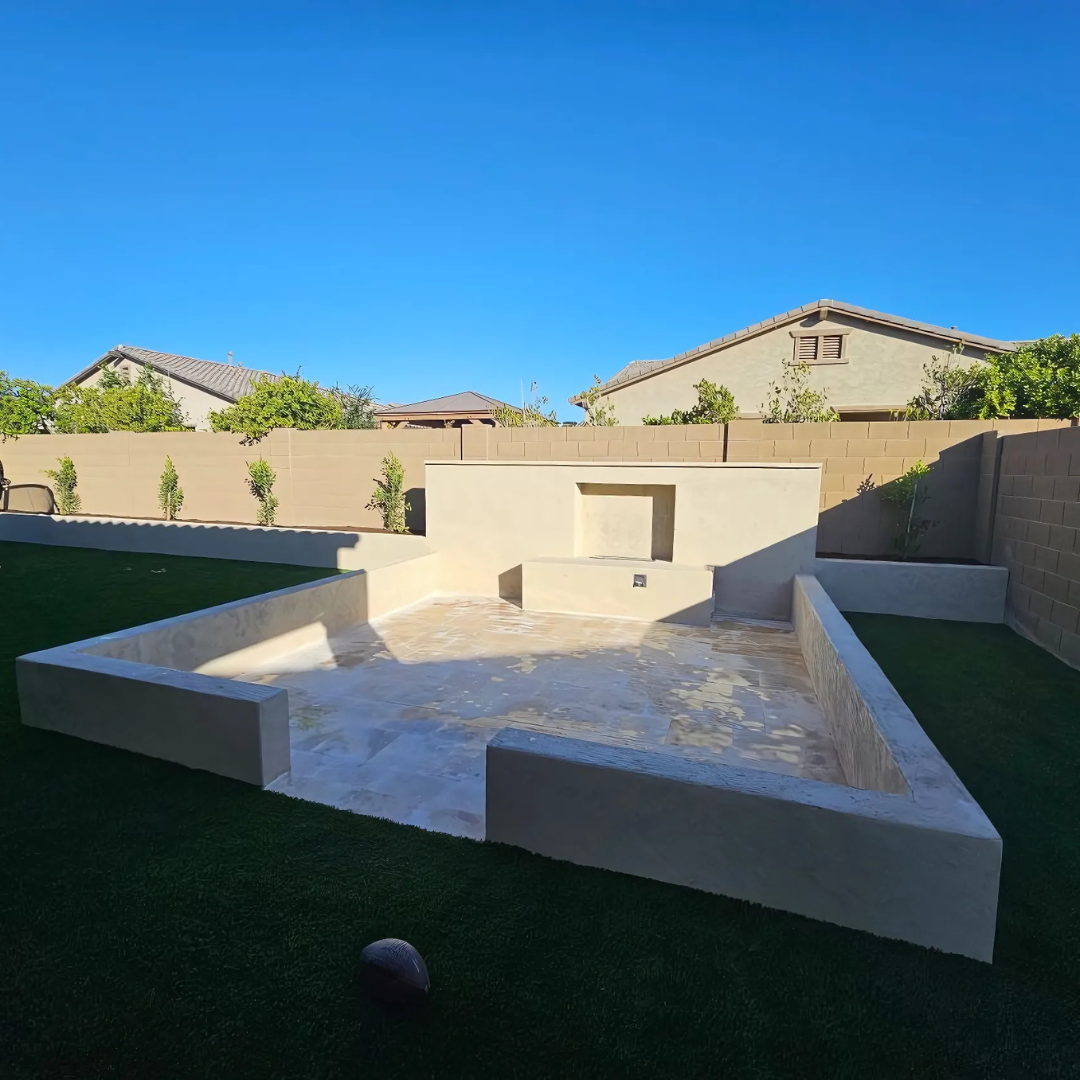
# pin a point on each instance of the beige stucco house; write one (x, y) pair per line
(871, 363)
(198, 385)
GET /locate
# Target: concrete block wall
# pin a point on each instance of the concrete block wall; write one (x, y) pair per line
(860, 458)
(691, 442)
(324, 478)
(1037, 537)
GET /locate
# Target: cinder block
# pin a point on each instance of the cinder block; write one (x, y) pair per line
(1038, 532)
(1042, 487)
(865, 448)
(887, 429)
(1061, 538)
(1048, 633)
(1056, 587)
(1069, 648)
(712, 450)
(1019, 595)
(1047, 441)
(1066, 488)
(1057, 463)
(1041, 605)
(905, 448)
(1051, 511)
(1069, 565)
(1071, 515)
(1032, 577)
(965, 429)
(1065, 616)
(1046, 559)
(845, 465)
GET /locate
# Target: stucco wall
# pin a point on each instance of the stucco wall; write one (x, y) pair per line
(882, 370)
(755, 524)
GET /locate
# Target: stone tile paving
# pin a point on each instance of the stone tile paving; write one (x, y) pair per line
(393, 718)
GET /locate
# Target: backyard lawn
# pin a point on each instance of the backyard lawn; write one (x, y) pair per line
(157, 921)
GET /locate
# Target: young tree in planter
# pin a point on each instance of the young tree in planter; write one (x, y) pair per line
(389, 495)
(170, 493)
(598, 413)
(907, 493)
(261, 483)
(65, 481)
(948, 390)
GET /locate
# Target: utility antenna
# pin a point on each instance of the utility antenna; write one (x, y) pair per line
(230, 358)
(521, 383)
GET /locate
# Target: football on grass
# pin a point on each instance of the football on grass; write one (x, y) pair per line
(394, 971)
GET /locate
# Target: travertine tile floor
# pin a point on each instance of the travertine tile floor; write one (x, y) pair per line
(393, 718)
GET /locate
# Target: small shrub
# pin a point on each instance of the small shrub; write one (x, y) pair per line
(948, 390)
(170, 493)
(65, 482)
(791, 401)
(907, 493)
(715, 405)
(261, 482)
(531, 413)
(598, 413)
(389, 495)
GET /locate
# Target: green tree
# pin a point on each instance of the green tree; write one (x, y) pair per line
(261, 484)
(115, 403)
(65, 481)
(906, 494)
(531, 414)
(791, 401)
(947, 389)
(357, 407)
(1039, 380)
(598, 413)
(285, 402)
(170, 493)
(715, 405)
(389, 495)
(26, 408)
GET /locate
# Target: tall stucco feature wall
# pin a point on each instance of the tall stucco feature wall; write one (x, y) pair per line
(755, 523)
(882, 369)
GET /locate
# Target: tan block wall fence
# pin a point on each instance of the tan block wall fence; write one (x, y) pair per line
(1037, 536)
(1011, 500)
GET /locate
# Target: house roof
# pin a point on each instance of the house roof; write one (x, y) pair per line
(468, 401)
(637, 370)
(227, 381)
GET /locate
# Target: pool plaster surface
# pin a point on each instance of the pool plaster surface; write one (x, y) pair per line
(392, 718)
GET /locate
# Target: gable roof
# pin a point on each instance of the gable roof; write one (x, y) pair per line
(468, 401)
(637, 370)
(227, 381)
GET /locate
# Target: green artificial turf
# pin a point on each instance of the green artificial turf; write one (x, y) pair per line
(159, 922)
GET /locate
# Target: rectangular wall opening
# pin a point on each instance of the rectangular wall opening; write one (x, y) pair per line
(626, 521)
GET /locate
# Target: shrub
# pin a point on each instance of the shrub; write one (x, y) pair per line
(26, 408)
(598, 413)
(261, 482)
(791, 401)
(715, 405)
(389, 495)
(907, 493)
(1039, 380)
(170, 493)
(531, 413)
(287, 402)
(357, 407)
(948, 390)
(65, 481)
(117, 404)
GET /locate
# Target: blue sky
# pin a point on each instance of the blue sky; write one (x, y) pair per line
(431, 198)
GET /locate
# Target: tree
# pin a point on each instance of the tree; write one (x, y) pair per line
(389, 495)
(907, 493)
(1039, 380)
(715, 405)
(66, 481)
(947, 388)
(26, 408)
(114, 403)
(598, 413)
(357, 406)
(261, 484)
(170, 493)
(531, 413)
(791, 401)
(285, 402)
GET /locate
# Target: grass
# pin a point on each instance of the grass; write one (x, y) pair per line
(157, 921)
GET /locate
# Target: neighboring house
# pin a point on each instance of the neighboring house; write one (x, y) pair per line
(198, 385)
(468, 407)
(870, 363)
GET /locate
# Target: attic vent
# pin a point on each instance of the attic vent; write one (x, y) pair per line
(808, 347)
(831, 347)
